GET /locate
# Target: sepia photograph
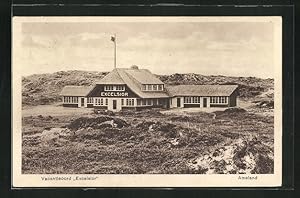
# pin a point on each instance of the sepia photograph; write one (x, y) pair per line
(146, 101)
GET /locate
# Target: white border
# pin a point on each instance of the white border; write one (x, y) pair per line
(157, 180)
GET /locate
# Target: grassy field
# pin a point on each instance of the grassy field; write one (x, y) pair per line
(59, 140)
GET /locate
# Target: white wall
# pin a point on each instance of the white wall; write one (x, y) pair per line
(110, 104)
(208, 102)
(174, 102)
(79, 102)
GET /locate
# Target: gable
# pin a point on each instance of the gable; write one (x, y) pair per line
(112, 78)
(98, 91)
(201, 90)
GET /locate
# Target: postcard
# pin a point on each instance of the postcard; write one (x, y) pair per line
(147, 101)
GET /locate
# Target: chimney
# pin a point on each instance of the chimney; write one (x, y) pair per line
(134, 67)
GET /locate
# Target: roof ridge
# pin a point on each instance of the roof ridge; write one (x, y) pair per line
(132, 78)
(119, 75)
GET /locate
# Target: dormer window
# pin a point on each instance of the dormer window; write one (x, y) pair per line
(144, 87)
(149, 87)
(120, 88)
(152, 87)
(109, 88)
(160, 87)
(114, 88)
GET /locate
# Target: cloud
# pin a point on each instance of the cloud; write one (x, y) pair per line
(199, 48)
(28, 41)
(86, 36)
(240, 45)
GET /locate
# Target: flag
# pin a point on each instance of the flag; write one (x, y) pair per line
(113, 39)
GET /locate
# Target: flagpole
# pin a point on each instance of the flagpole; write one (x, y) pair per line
(115, 43)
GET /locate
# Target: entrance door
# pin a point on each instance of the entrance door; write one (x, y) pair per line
(204, 102)
(114, 104)
(178, 102)
(82, 102)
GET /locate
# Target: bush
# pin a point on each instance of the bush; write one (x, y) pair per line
(95, 123)
(234, 110)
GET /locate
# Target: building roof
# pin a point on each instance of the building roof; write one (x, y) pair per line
(134, 78)
(201, 90)
(136, 87)
(75, 90)
(112, 77)
(143, 76)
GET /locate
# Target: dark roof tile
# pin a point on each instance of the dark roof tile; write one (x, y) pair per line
(201, 90)
(75, 91)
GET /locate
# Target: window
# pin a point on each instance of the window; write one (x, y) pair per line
(193, 100)
(101, 101)
(114, 88)
(106, 101)
(160, 102)
(212, 100)
(108, 88)
(160, 87)
(120, 88)
(122, 102)
(152, 87)
(144, 101)
(148, 101)
(129, 102)
(218, 100)
(223, 99)
(138, 102)
(89, 100)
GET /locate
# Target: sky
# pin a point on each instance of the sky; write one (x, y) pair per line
(208, 48)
